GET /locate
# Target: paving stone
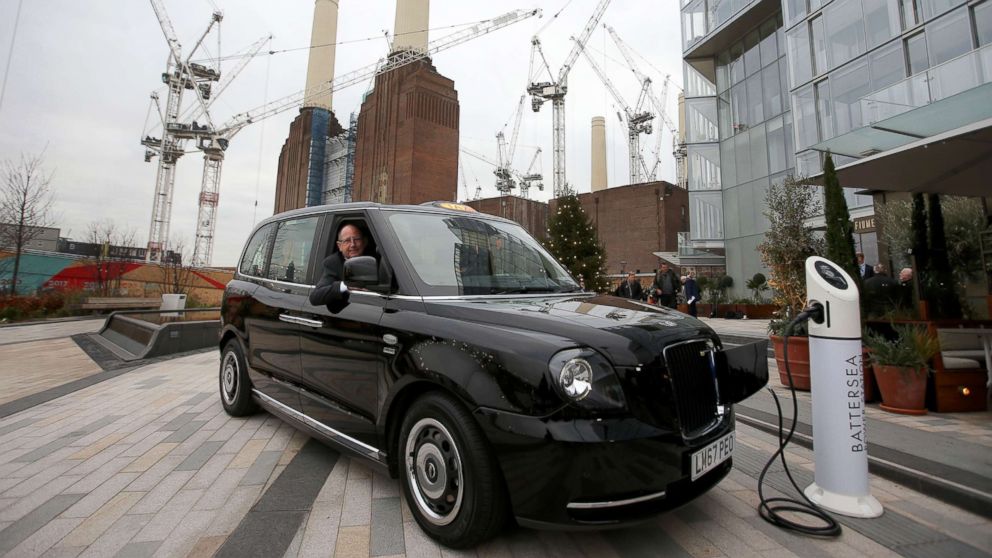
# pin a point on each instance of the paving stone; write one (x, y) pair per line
(168, 516)
(23, 487)
(228, 517)
(200, 456)
(184, 432)
(178, 422)
(352, 542)
(357, 502)
(91, 481)
(149, 458)
(182, 539)
(63, 552)
(95, 499)
(383, 486)
(150, 478)
(28, 503)
(219, 489)
(138, 549)
(164, 491)
(98, 446)
(321, 531)
(14, 426)
(18, 531)
(247, 454)
(418, 545)
(261, 469)
(387, 527)
(267, 533)
(117, 536)
(96, 524)
(205, 547)
(637, 541)
(45, 537)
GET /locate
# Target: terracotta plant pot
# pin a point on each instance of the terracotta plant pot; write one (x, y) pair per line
(798, 361)
(903, 389)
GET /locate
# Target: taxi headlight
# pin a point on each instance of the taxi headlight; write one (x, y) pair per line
(586, 378)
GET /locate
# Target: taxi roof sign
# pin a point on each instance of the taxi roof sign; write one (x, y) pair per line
(451, 205)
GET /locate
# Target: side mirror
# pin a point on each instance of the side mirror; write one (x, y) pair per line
(742, 371)
(361, 271)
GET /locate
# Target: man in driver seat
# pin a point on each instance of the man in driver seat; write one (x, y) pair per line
(330, 290)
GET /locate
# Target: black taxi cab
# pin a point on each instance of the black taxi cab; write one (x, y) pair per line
(468, 363)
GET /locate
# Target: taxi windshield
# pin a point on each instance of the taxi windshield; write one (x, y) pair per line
(466, 255)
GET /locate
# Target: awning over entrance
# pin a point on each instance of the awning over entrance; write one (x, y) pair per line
(958, 162)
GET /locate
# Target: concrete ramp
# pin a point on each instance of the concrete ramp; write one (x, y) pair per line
(145, 334)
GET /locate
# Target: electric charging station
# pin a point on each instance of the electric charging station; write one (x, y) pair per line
(840, 445)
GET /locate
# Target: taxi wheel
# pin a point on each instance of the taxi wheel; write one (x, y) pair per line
(449, 475)
(235, 387)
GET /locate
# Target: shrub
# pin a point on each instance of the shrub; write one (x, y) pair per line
(913, 347)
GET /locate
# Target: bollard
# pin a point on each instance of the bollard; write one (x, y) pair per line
(840, 444)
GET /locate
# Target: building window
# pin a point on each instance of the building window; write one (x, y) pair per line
(772, 91)
(887, 65)
(706, 220)
(911, 14)
(738, 108)
(846, 31)
(800, 64)
(742, 158)
(916, 53)
(755, 110)
(704, 167)
(696, 84)
(768, 47)
(881, 21)
(723, 71)
(934, 8)
(759, 151)
(701, 119)
(693, 23)
(950, 37)
(804, 111)
(776, 146)
(808, 163)
(983, 23)
(824, 112)
(794, 10)
(819, 45)
(737, 63)
(752, 56)
(848, 85)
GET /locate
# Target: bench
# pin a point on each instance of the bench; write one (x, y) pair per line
(120, 303)
(958, 381)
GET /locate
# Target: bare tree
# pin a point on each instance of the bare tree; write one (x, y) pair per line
(25, 206)
(177, 269)
(114, 246)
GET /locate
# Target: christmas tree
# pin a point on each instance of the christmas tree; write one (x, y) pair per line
(573, 240)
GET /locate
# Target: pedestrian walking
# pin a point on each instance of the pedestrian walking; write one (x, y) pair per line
(665, 286)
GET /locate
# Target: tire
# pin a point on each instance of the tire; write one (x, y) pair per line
(235, 386)
(449, 476)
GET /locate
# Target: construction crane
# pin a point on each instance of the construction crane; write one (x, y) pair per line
(554, 91)
(213, 142)
(530, 178)
(505, 184)
(179, 75)
(660, 102)
(504, 180)
(638, 121)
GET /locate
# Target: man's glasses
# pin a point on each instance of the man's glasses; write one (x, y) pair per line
(355, 240)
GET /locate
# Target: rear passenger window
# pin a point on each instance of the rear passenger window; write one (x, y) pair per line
(253, 262)
(291, 250)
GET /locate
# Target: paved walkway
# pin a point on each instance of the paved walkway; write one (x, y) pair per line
(147, 464)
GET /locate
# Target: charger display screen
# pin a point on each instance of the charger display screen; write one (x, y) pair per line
(831, 275)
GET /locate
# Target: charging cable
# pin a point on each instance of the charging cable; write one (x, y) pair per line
(771, 509)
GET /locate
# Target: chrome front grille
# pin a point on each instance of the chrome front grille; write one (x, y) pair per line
(693, 375)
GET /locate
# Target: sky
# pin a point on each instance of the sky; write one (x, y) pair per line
(77, 78)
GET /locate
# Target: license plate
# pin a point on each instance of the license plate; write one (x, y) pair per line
(712, 455)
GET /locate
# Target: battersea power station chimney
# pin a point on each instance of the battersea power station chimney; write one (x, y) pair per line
(320, 67)
(597, 177)
(407, 149)
(300, 178)
(410, 31)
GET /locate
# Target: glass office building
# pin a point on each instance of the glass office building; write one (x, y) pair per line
(772, 85)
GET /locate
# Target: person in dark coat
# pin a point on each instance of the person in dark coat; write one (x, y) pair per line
(631, 288)
(691, 291)
(864, 269)
(330, 290)
(665, 286)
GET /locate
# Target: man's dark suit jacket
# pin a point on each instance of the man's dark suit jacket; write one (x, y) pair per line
(328, 290)
(629, 290)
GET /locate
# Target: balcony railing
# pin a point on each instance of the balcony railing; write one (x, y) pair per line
(940, 82)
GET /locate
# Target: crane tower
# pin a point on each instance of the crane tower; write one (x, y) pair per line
(555, 91)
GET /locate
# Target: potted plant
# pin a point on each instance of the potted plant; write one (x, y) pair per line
(788, 242)
(901, 365)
